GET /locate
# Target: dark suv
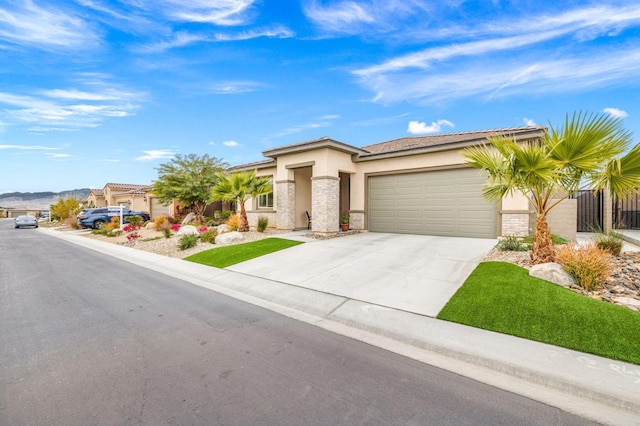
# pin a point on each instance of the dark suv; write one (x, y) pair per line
(93, 218)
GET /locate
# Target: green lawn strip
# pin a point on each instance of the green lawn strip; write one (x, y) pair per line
(221, 257)
(503, 297)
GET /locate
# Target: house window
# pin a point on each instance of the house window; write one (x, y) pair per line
(265, 201)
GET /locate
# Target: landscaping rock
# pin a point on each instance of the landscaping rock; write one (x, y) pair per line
(149, 225)
(229, 237)
(187, 230)
(222, 229)
(552, 272)
(188, 218)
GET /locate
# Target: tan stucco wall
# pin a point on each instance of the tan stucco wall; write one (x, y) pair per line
(302, 179)
(563, 218)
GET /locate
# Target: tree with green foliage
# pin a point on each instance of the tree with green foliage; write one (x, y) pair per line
(188, 179)
(65, 208)
(589, 149)
(241, 187)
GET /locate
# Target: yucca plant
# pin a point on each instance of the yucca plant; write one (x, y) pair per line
(590, 149)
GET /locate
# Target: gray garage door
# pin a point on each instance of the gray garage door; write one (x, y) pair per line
(158, 209)
(443, 202)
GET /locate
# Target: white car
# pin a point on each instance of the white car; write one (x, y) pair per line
(25, 220)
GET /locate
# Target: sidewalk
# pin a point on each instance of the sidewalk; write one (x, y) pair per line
(597, 388)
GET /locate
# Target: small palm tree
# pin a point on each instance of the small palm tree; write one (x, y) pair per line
(590, 149)
(241, 187)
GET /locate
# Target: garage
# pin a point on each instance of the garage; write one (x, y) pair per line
(159, 209)
(442, 202)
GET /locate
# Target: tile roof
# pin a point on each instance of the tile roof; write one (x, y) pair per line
(254, 165)
(418, 142)
(97, 192)
(126, 186)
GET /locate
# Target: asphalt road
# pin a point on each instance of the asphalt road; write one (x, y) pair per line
(89, 340)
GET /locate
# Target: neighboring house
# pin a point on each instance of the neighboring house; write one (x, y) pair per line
(133, 196)
(96, 198)
(414, 185)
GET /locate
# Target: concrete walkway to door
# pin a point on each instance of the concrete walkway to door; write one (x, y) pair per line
(413, 273)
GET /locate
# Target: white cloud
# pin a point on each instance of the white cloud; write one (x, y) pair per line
(219, 12)
(615, 112)
(47, 28)
(422, 128)
(230, 144)
(542, 54)
(28, 147)
(56, 109)
(57, 155)
(529, 121)
(156, 154)
(356, 17)
(235, 87)
(325, 121)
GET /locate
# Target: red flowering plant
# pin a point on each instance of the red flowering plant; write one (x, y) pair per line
(202, 229)
(175, 227)
(132, 236)
(128, 227)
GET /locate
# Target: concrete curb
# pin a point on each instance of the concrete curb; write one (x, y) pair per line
(594, 387)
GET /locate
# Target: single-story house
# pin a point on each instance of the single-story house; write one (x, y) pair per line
(414, 185)
(133, 196)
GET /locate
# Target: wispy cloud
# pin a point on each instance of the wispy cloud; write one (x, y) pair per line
(58, 155)
(185, 38)
(230, 144)
(69, 109)
(422, 128)
(356, 17)
(28, 147)
(529, 121)
(48, 28)
(156, 154)
(325, 121)
(543, 54)
(235, 87)
(615, 112)
(219, 12)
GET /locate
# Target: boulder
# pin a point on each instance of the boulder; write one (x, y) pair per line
(150, 225)
(229, 237)
(552, 272)
(187, 230)
(188, 218)
(222, 229)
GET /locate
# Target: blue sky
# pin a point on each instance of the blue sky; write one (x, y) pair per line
(96, 91)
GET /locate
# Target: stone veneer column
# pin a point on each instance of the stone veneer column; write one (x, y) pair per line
(286, 204)
(356, 220)
(516, 224)
(325, 203)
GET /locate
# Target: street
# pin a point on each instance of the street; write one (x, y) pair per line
(90, 340)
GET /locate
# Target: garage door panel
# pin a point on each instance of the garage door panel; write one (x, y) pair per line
(445, 202)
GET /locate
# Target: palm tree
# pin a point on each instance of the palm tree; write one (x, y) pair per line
(241, 187)
(590, 149)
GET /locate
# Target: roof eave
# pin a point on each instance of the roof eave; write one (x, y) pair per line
(533, 134)
(324, 143)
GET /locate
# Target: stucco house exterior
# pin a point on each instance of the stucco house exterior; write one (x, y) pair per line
(133, 196)
(415, 185)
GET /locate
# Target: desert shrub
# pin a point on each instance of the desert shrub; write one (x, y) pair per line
(135, 220)
(512, 243)
(160, 223)
(233, 223)
(65, 207)
(225, 215)
(263, 221)
(176, 219)
(209, 236)
(113, 224)
(72, 222)
(187, 241)
(588, 264)
(146, 240)
(555, 239)
(611, 241)
(167, 232)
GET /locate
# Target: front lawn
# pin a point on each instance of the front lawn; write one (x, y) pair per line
(221, 257)
(503, 297)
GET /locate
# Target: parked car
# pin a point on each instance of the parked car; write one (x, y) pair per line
(94, 218)
(25, 220)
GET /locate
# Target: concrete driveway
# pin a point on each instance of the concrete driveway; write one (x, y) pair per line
(414, 273)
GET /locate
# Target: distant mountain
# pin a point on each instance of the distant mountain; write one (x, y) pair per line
(39, 200)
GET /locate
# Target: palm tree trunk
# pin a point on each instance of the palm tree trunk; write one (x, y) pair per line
(542, 250)
(244, 222)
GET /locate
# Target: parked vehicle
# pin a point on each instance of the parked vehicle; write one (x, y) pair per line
(94, 218)
(24, 220)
